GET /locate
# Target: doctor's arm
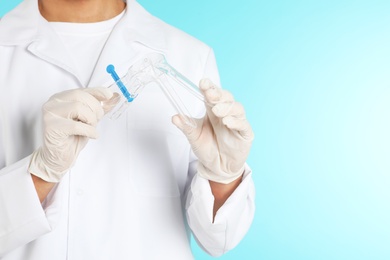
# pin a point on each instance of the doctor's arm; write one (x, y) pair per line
(26, 183)
(222, 192)
(69, 121)
(221, 142)
(42, 187)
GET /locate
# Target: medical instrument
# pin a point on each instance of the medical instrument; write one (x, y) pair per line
(154, 68)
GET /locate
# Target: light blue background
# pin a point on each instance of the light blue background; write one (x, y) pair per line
(314, 78)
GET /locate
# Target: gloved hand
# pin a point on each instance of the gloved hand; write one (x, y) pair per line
(69, 120)
(222, 139)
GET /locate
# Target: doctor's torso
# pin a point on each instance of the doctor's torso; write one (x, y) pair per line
(124, 196)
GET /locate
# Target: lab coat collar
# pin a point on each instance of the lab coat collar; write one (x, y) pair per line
(20, 26)
(137, 27)
(140, 26)
(25, 25)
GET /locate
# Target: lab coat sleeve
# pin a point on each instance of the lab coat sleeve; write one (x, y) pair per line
(234, 218)
(22, 217)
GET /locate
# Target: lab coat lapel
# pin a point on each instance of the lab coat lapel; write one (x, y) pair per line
(117, 52)
(51, 49)
(136, 28)
(36, 32)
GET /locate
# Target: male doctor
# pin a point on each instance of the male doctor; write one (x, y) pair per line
(77, 185)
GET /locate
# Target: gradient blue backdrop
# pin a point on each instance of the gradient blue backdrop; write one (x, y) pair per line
(314, 78)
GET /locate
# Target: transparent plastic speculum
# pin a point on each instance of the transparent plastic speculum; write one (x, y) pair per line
(153, 68)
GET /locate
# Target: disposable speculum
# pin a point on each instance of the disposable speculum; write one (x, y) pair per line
(153, 68)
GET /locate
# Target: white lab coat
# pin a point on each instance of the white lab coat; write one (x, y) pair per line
(133, 193)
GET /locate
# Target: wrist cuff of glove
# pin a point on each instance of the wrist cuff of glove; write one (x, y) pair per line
(38, 168)
(220, 176)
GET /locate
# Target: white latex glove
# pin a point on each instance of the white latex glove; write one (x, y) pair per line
(222, 139)
(69, 120)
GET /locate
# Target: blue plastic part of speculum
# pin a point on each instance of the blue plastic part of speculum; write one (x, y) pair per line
(111, 70)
